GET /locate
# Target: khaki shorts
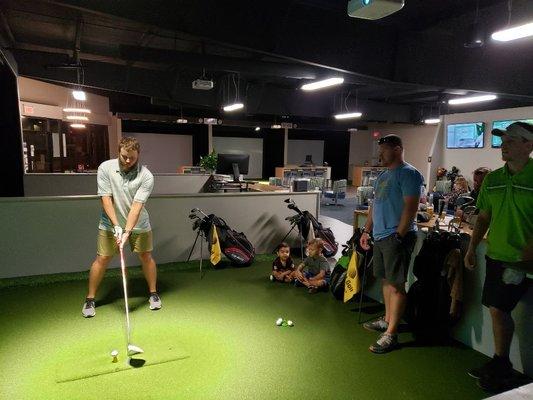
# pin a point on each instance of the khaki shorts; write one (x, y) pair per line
(106, 244)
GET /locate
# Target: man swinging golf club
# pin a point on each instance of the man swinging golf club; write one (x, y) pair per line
(124, 186)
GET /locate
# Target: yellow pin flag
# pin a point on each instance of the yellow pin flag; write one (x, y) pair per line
(352, 284)
(216, 252)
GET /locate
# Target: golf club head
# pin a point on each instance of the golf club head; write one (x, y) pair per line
(195, 209)
(132, 350)
(287, 200)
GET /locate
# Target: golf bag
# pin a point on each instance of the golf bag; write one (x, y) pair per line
(307, 221)
(338, 275)
(428, 299)
(235, 246)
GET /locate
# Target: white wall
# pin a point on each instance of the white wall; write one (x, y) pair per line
(237, 145)
(467, 160)
(360, 150)
(298, 149)
(164, 153)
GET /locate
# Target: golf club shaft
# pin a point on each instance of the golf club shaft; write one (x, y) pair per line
(125, 287)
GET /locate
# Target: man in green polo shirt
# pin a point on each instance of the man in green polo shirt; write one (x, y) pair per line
(124, 187)
(505, 206)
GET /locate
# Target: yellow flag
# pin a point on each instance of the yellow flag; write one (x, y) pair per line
(352, 285)
(216, 252)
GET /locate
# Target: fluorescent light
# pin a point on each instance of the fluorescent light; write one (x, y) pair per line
(322, 84)
(77, 118)
(77, 110)
(431, 121)
(348, 115)
(276, 126)
(517, 32)
(233, 107)
(78, 126)
(79, 95)
(472, 99)
(181, 121)
(257, 129)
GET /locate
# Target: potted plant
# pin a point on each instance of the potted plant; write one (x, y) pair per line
(209, 162)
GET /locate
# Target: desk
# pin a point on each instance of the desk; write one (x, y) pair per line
(465, 227)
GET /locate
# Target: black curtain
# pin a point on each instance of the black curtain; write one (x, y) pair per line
(11, 161)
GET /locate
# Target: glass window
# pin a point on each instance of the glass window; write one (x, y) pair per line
(54, 146)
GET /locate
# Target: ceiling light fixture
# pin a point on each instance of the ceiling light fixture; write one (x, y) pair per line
(77, 118)
(276, 126)
(233, 107)
(77, 110)
(257, 128)
(322, 84)
(431, 121)
(514, 33)
(472, 99)
(348, 115)
(79, 95)
(181, 121)
(77, 126)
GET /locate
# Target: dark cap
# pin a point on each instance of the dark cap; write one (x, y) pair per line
(393, 140)
(516, 129)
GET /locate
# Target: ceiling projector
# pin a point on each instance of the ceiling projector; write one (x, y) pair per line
(373, 9)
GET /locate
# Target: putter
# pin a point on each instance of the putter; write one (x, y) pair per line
(131, 349)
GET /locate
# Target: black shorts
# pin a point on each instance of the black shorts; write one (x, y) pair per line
(391, 258)
(498, 294)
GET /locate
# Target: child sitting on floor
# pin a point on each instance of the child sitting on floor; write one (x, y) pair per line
(283, 266)
(313, 272)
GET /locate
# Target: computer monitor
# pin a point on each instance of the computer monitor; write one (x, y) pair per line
(233, 164)
(308, 159)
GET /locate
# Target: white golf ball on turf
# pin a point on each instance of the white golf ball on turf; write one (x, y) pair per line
(290, 323)
(279, 321)
(114, 353)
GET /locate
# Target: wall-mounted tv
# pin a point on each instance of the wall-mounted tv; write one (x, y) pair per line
(465, 136)
(503, 124)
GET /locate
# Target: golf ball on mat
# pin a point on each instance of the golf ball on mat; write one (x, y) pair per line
(114, 353)
(279, 321)
(290, 323)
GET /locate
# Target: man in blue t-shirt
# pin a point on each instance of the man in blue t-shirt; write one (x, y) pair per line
(391, 219)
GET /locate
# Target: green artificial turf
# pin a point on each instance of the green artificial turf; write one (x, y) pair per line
(214, 338)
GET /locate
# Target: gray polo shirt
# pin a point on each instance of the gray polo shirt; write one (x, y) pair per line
(315, 265)
(125, 188)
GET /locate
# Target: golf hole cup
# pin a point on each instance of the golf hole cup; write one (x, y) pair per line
(114, 354)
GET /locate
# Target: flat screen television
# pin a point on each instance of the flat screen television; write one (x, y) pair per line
(465, 136)
(496, 141)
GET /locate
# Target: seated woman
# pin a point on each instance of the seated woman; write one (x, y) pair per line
(460, 187)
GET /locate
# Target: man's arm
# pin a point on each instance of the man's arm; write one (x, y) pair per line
(133, 215)
(410, 208)
(480, 228)
(109, 208)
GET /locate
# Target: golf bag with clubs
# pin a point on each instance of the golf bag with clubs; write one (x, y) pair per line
(338, 275)
(429, 311)
(235, 246)
(305, 221)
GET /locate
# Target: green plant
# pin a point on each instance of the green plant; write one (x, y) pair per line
(209, 162)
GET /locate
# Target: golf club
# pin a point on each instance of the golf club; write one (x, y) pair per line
(131, 349)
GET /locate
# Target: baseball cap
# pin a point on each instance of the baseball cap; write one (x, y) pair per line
(393, 140)
(516, 129)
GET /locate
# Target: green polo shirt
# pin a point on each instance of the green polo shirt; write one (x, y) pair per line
(509, 200)
(125, 188)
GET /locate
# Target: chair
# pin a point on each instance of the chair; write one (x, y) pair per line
(338, 192)
(316, 182)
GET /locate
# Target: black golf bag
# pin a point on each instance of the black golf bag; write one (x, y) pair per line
(307, 221)
(235, 246)
(338, 275)
(428, 298)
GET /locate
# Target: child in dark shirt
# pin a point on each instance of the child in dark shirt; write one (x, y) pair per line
(283, 266)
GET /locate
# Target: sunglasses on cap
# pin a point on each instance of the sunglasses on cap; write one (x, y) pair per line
(392, 140)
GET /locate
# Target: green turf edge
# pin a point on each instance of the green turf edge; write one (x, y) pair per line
(134, 271)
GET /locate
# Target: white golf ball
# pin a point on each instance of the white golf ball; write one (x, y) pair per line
(279, 321)
(290, 323)
(114, 353)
